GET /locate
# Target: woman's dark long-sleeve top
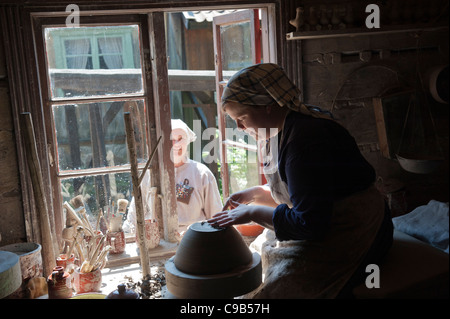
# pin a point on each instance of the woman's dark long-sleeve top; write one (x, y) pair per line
(320, 163)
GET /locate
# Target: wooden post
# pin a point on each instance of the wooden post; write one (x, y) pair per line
(49, 246)
(140, 228)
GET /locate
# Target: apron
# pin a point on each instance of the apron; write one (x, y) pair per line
(315, 269)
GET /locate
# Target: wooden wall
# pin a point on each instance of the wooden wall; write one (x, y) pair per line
(12, 224)
(344, 73)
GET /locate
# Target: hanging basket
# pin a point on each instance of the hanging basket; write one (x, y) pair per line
(419, 166)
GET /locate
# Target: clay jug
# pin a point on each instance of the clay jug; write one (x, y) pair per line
(59, 284)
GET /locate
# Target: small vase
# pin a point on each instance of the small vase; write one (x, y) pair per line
(63, 261)
(117, 241)
(152, 236)
(59, 284)
(87, 282)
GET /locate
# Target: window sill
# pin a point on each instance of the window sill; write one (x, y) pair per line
(131, 254)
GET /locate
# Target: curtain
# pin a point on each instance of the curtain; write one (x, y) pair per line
(77, 53)
(111, 50)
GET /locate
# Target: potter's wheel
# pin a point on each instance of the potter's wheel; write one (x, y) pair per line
(212, 263)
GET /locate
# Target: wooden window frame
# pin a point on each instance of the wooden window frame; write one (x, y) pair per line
(260, 38)
(158, 120)
(18, 22)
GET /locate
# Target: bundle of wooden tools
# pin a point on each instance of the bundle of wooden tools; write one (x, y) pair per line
(81, 237)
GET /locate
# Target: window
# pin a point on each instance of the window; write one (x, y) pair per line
(88, 78)
(93, 61)
(238, 43)
(94, 74)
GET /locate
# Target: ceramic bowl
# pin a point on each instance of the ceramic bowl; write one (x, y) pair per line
(250, 230)
(205, 250)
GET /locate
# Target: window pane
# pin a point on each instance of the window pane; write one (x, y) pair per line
(92, 135)
(101, 191)
(236, 46)
(243, 169)
(91, 62)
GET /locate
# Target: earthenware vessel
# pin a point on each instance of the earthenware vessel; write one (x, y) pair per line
(205, 250)
(31, 265)
(212, 263)
(152, 236)
(88, 281)
(63, 261)
(117, 241)
(123, 293)
(59, 284)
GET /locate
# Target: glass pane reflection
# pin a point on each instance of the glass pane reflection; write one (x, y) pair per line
(100, 191)
(92, 135)
(236, 46)
(88, 62)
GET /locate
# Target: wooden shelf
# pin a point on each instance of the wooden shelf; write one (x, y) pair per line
(355, 32)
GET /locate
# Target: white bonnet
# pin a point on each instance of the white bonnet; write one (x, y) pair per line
(181, 125)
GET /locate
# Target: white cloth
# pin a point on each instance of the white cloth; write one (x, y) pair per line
(429, 223)
(179, 124)
(204, 202)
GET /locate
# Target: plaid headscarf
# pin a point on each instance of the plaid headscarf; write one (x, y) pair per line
(265, 84)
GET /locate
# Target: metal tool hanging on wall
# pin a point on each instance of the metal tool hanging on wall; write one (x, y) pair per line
(419, 150)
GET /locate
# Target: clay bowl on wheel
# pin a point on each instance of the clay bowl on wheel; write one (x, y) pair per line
(205, 250)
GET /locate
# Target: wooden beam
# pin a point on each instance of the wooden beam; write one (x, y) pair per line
(161, 100)
(140, 226)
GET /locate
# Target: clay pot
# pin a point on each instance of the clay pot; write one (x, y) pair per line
(205, 250)
(117, 241)
(63, 261)
(212, 263)
(98, 234)
(250, 230)
(152, 236)
(59, 284)
(30, 260)
(87, 282)
(123, 293)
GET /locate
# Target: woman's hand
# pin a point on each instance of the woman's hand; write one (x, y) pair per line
(243, 197)
(243, 214)
(239, 214)
(256, 195)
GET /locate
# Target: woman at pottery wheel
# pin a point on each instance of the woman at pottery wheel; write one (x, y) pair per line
(326, 221)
